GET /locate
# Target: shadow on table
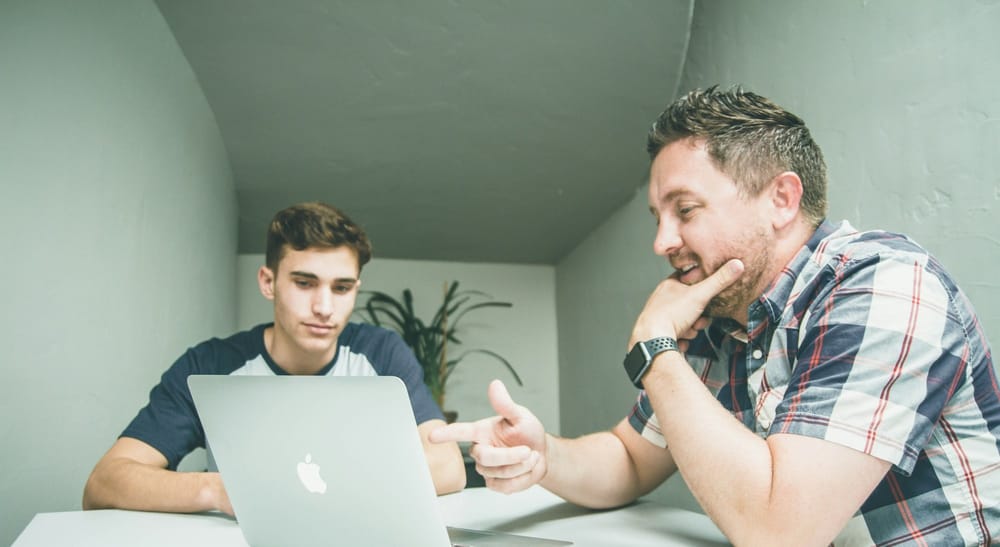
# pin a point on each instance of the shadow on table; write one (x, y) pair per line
(555, 512)
(217, 514)
(645, 515)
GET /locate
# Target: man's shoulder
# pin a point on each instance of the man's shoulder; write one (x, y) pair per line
(366, 338)
(839, 252)
(846, 244)
(839, 256)
(382, 349)
(223, 355)
(869, 262)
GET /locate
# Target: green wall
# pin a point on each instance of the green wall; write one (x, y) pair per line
(119, 220)
(900, 95)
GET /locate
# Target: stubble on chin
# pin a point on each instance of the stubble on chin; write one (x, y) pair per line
(734, 300)
(721, 305)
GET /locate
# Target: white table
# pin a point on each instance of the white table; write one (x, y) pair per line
(533, 512)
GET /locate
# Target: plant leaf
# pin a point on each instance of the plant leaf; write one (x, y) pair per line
(429, 341)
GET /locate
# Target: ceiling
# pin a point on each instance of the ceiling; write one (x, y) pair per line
(479, 131)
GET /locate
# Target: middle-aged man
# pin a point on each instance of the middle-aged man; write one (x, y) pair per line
(812, 383)
(312, 272)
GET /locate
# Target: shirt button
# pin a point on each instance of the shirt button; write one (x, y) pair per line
(757, 354)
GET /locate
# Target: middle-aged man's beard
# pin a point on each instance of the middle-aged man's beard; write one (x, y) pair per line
(729, 302)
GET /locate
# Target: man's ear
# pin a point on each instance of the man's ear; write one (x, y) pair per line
(265, 280)
(786, 197)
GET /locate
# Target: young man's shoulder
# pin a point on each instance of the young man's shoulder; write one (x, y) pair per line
(363, 336)
(224, 355)
(382, 349)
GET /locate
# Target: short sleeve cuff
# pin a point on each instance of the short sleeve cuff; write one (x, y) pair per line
(644, 422)
(898, 453)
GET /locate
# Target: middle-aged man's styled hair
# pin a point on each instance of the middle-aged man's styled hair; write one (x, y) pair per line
(749, 138)
(314, 224)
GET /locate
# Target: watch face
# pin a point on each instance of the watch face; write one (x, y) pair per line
(641, 357)
(635, 364)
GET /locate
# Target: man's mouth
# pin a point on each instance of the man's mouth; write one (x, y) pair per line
(320, 329)
(687, 272)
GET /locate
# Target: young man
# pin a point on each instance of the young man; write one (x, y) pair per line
(313, 265)
(812, 383)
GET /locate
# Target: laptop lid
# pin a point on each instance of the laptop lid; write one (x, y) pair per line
(320, 460)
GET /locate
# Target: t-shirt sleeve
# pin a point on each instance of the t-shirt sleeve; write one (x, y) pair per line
(402, 363)
(879, 355)
(169, 422)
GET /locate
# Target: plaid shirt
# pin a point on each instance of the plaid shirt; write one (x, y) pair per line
(865, 341)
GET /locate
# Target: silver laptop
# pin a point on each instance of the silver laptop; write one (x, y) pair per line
(326, 461)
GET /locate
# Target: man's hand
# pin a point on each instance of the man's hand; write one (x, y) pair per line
(509, 448)
(218, 496)
(675, 309)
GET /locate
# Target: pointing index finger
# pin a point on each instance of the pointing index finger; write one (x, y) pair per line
(460, 432)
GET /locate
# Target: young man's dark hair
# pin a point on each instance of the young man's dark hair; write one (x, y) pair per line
(314, 224)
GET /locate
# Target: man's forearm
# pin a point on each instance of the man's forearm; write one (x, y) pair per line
(787, 490)
(593, 471)
(127, 484)
(726, 466)
(444, 460)
(447, 469)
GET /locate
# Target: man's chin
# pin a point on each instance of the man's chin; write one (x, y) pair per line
(318, 344)
(721, 308)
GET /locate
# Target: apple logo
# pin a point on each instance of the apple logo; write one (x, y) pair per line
(309, 475)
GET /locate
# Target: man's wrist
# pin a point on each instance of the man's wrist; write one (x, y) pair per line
(547, 450)
(663, 364)
(545, 456)
(212, 493)
(640, 358)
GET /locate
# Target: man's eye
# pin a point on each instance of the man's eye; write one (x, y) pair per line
(302, 283)
(342, 289)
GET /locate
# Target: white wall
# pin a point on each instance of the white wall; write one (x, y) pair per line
(525, 333)
(118, 214)
(900, 95)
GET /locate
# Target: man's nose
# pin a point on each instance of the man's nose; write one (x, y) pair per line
(323, 303)
(668, 239)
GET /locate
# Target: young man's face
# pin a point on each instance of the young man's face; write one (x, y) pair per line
(313, 293)
(702, 222)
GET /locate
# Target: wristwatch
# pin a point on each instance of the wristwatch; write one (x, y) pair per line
(638, 360)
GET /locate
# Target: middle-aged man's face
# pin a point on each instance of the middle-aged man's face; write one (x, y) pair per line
(702, 222)
(313, 293)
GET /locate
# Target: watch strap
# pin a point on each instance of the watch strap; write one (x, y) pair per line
(659, 345)
(639, 359)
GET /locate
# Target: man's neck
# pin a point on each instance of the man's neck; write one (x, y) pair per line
(786, 247)
(290, 358)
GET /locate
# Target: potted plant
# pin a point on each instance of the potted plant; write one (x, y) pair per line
(430, 340)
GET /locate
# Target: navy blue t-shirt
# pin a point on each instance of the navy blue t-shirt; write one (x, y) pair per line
(170, 424)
